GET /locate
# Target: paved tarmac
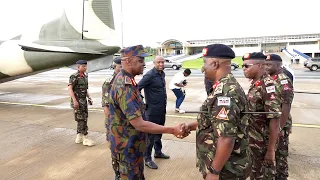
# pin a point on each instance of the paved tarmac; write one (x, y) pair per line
(37, 131)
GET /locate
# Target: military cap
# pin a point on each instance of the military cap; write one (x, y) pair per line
(273, 57)
(218, 51)
(254, 55)
(81, 62)
(117, 60)
(137, 50)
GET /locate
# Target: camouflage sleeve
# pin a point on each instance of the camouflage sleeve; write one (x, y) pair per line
(272, 98)
(72, 80)
(129, 102)
(286, 90)
(105, 93)
(226, 115)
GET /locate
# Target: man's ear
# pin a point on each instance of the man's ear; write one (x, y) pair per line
(215, 65)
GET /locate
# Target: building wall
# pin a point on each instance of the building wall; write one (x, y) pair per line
(240, 51)
(304, 44)
(306, 48)
(273, 47)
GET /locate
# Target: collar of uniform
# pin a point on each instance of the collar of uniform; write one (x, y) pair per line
(228, 76)
(258, 82)
(80, 74)
(126, 73)
(275, 76)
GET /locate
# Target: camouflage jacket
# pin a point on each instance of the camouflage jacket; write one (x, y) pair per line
(79, 84)
(285, 87)
(105, 90)
(263, 96)
(224, 106)
(125, 104)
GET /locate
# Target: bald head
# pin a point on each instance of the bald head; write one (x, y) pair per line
(158, 63)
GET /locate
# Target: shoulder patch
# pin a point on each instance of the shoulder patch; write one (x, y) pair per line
(286, 87)
(218, 89)
(223, 114)
(224, 101)
(272, 97)
(271, 89)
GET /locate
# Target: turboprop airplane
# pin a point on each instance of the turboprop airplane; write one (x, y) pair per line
(85, 30)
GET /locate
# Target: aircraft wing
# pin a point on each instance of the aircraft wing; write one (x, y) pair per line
(45, 48)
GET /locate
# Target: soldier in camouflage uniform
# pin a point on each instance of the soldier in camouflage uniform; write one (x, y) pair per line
(263, 96)
(105, 104)
(222, 138)
(78, 90)
(127, 128)
(285, 85)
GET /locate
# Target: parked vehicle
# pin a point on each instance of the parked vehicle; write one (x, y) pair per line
(170, 64)
(313, 64)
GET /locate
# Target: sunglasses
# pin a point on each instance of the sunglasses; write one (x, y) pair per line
(247, 65)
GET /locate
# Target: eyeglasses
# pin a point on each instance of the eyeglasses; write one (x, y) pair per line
(247, 65)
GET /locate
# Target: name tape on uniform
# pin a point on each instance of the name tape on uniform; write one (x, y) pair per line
(284, 82)
(224, 101)
(271, 89)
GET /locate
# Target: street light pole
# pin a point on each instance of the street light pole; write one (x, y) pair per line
(121, 25)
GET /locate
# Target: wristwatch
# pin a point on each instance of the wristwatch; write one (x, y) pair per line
(213, 171)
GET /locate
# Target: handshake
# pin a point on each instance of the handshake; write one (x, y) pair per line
(181, 130)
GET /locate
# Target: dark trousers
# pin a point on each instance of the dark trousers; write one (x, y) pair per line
(180, 97)
(154, 140)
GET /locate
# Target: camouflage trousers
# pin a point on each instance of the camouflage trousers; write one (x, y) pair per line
(81, 116)
(130, 170)
(115, 164)
(261, 170)
(282, 156)
(226, 174)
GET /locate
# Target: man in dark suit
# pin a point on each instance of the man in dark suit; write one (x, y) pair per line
(154, 85)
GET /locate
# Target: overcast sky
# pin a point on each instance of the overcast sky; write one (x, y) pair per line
(149, 21)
